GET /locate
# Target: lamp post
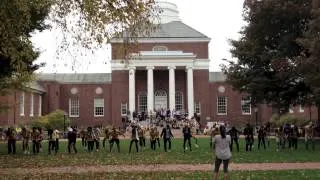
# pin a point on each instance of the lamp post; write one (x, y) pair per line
(256, 114)
(64, 121)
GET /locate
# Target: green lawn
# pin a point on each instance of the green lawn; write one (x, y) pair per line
(238, 175)
(200, 155)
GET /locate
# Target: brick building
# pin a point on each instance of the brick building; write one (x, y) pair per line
(168, 70)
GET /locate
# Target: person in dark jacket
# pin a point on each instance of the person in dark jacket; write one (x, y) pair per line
(261, 137)
(248, 134)
(134, 138)
(234, 133)
(166, 134)
(72, 139)
(186, 137)
(11, 137)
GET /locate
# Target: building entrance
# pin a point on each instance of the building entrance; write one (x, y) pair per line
(160, 100)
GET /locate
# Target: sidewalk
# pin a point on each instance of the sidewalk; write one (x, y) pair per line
(160, 167)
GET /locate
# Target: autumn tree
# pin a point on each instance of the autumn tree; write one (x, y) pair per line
(88, 23)
(267, 52)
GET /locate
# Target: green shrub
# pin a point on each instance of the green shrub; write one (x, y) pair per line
(52, 120)
(288, 119)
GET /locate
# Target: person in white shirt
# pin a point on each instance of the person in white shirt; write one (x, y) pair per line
(222, 144)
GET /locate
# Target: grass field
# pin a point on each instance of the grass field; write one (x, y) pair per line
(237, 175)
(201, 155)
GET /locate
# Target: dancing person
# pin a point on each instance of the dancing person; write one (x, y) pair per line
(223, 155)
(134, 138)
(115, 138)
(35, 135)
(52, 142)
(248, 134)
(72, 139)
(234, 133)
(106, 136)
(90, 139)
(25, 134)
(11, 138)
(261, 137)
(186, 137)
(166, 134)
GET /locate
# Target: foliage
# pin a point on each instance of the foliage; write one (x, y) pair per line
(89, 23)
(52, 120)
(309, 64)
(267, 52)
(288, 119)
(19, 18)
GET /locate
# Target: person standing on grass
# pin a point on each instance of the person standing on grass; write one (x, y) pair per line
(96, 132)
(157, 135)
(134, 138)
(115, 138)
(25, 134)
(72, 139)
(261, 137)
(223, 154)
(56, 138)
(90, 139)
(52, 142)
(248, 134)
(153, 136)
(11, 137)
(186, 137)
(309, 132)
(35, 135)
(83, 138)
(234, 133)
(106, 136)
(166, 134)
(294, 137)
(142, 137)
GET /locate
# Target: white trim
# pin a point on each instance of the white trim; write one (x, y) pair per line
(21, 105)
(196, 64)
(40, 106)
(226, 104)
(95, 105)
(301, 108)
(31, 105)
(70, 108)
(242, 104)
(162, 40)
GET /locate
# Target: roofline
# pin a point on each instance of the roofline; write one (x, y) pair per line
(163, 40)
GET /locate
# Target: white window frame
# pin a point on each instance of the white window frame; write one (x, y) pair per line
(76, 105)
(159, 48)
(142, 106)
(291, 111)
(301, 108)
(197, 107)
(40, 106)
(220, 105)
(245, 101)
(177, 99)
(22, 101)
(31, 105)
(124, 107)
(98, 103)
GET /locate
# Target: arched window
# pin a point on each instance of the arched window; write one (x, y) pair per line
(159, 48)
(143, 102)
(179, 101)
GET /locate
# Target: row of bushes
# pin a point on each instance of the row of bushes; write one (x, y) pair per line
(277, 120)
(55, 119)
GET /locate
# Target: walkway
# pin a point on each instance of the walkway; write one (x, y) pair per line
(158, 167)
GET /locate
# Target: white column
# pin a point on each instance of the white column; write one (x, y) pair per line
(150, 89)
(190, 91)
(132, 88)
(172, 88)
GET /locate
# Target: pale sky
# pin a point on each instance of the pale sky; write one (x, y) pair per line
(220, 20)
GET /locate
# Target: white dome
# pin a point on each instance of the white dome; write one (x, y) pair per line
(169, 11)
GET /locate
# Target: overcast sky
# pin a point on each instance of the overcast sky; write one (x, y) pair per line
(218, 19)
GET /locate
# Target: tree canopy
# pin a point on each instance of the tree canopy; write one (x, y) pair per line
(268, 51)
(89, 23)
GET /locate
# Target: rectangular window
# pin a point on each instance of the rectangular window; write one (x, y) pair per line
(301, 108)
(74, 107)
(291, 109)
(22, 104)
(222, 105)
(31, 105)
(197, 107)
(124, 109)
(246, 105)
(40, 106)
(98, 107)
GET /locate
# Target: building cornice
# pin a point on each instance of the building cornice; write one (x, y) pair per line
(162, 40)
